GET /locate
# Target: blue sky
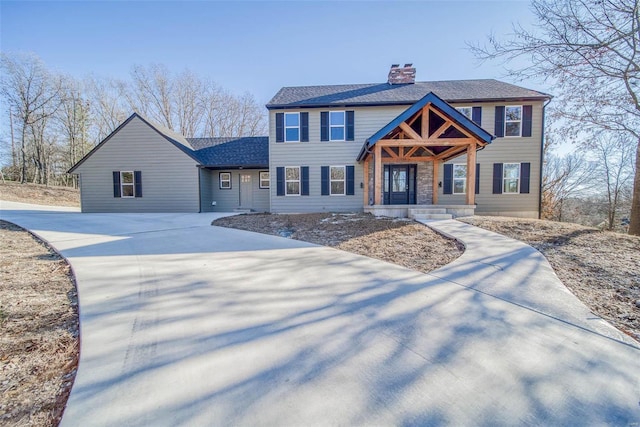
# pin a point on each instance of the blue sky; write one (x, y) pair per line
(261, 46)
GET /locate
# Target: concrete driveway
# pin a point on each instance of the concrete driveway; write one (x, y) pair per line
(187, 324)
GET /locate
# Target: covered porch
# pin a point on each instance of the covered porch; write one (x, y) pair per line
(401, 162)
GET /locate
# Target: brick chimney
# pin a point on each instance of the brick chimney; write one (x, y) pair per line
(402, 75)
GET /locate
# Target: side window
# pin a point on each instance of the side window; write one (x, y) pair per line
(292, 181)
(292, 127)
(264, 179)
(337, 125)
(513, 120)
(459, 179)
(466, 111)
(337, 180)
(225, 180)
(127, 184)
(511, 178)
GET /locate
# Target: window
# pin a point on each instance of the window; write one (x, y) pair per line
(336, 125)
(466, 111)
(292, 181)
(225, 180)
(127, 184)
(513, 121)
(264, 179)
(459, 179)
(337, 179)
(292, 127)
(511, 178)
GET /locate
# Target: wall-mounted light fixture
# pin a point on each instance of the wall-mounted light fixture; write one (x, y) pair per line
(440, 184)
(362, 185)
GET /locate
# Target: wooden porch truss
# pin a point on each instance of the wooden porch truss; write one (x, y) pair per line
(429, 135)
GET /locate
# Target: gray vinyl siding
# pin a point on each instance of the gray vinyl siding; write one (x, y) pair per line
(229, 199)
(504, 150)
(367, 121)
(169, 176)
(206, 190)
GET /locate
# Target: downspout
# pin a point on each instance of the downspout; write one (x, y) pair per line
(544, 106)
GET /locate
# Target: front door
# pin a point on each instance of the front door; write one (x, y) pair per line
(246, 192)
(399, 184)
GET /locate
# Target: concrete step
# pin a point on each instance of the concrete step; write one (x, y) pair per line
(418, 211)
(432, 216)
(243, 210)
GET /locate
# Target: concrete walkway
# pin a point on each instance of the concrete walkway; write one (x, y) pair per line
(187, 324)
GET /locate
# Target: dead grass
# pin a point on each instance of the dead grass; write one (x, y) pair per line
(601, 268)
(39, 194)
(399, 241)
(39, 324)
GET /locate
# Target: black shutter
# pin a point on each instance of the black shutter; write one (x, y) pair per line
(527, 113)
(137, 179)
(279, 127)
(324, 126)
(304, 175)
(476, 115)
(324, 180)
(304, 127)
(497, 178)
(477, 178)
(350, 126)
(448, 179)
(350, 179)
(116, 183)
(280, 181)
(499, 125)
(525, 176)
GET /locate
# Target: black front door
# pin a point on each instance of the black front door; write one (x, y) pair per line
(399, 184)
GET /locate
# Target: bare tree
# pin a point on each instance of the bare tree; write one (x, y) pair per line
(73, 124)
(564, 178)
(153, 90)
(107, 106)
(615, 173)
(589, 51)
(33, 93)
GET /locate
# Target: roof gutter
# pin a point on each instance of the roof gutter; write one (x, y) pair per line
(544, 106)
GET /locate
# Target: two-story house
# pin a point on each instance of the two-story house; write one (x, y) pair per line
(400, 148)
(387, 147)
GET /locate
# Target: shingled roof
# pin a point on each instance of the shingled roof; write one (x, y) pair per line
(400, 94)
(223, 153)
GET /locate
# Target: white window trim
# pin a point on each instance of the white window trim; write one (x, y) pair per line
(299, 127)
(220, 180)
(465, 107)
(260, 180)
(453, 179)
(344, 181)
(504, 178)
(286, 181)
(132, 184)
(513, 121)
(344, 126)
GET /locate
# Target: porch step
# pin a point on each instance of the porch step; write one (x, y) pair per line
(420, 211)
(243, 210)
(432, 216)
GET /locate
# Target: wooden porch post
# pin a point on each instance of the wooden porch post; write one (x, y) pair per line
(366, 182)
(471, 174)
(436, 166)
(377, 188)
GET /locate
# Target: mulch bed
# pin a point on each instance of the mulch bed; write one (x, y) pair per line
(39, 330)
(400, 241)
